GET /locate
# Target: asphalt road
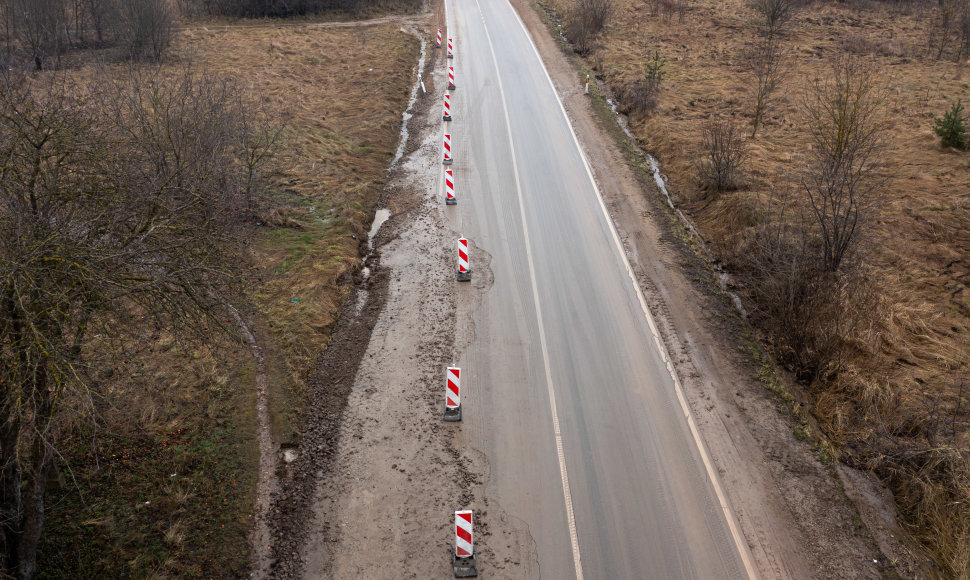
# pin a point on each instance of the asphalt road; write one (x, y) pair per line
(564, 379)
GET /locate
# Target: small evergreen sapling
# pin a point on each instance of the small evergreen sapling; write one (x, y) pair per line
(952, 128)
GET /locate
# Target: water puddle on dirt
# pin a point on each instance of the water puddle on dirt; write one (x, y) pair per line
(407, 112)
(381, 216)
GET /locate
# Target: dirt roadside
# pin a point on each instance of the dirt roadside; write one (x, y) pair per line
(378, 475)
(794, 510)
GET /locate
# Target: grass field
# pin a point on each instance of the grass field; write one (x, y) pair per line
(906, 371)
(164, 487)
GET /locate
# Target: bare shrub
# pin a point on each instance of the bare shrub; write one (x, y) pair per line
(767, 62)
(963, 32)
(942, 28)
(149, 26)
(725, 149)
(585, 21)
(640, 96)
(856, 43)
(810, 313)
(775, 14)
(948, 33)
(104, 16)
(666, 9)
(842, 179)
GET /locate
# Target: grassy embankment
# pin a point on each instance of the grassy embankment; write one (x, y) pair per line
(167, 490)
(899, 404)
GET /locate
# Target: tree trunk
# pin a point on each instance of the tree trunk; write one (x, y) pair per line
(11, 502)
(34, 510)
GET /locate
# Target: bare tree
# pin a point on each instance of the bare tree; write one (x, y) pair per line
(767, 63)
(104, 15)
(116, 207)
(585, 21)
(725, 150)
(40, 27)
(842, 178)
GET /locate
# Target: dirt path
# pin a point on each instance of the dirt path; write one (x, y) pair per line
(793, 509)
(266, 482)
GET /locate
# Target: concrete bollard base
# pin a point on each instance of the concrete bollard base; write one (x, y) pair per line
(453, 414)
(464, 567)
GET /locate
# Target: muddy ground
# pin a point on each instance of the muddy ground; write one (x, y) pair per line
(378, 474)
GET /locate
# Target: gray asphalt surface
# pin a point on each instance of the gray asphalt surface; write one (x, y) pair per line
(644, 504)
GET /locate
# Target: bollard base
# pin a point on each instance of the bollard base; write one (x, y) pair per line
(452, 87)
(453, 414)
(465, 276)
(447, 161)
(464, 567)
(451, 201)
(446, 117)
(451, 56)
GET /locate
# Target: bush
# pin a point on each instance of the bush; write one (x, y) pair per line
(952, 128)
(775, 14)
(640, 96)
(586, 20)
(149, 27)
(725, 150)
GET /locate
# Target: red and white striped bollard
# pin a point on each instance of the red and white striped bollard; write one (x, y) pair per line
(447, 113)
(463, 561)
(451, 78)
(453, 394)
(464, 273)
(437, 42)
(447, 149)
(450, 198)
(451, 48)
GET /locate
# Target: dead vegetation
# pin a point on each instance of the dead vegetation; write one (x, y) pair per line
(725, 149)
(850, 231)
(155, 477)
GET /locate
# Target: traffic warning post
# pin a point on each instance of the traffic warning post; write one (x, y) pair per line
(437, 42)
(450, 198)
(446, 116)
(464, 273)
(463, 561)
(451, 48)
(447, 148)
(451, 78)
(453, 394)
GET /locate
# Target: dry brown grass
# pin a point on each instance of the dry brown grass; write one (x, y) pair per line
(340, 92)
(176, 420)
(903, 365)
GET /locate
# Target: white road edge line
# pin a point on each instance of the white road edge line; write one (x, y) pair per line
(708, 463)
(705, 456)
(567, 497)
